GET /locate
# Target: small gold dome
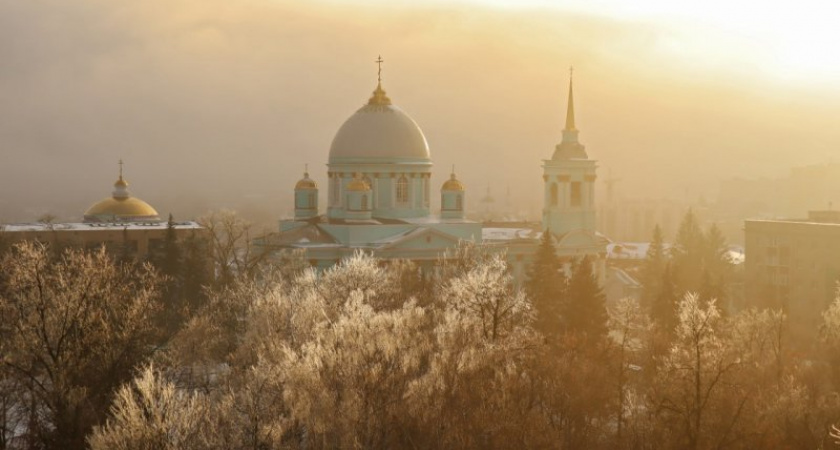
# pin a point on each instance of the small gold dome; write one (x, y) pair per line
(357, 185)
(452, 184)
(306, 182)
(121, 183)
(120, 209)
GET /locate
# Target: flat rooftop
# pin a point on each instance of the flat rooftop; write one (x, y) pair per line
(84, 226)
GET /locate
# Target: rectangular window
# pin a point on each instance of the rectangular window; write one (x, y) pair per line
(576, 193)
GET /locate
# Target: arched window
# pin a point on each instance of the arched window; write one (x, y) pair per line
(553, 194)
(459, 205)
(336, 190)
(402, 190)
(312, 200)
(426, 192)
(576, 193)
(364, 202)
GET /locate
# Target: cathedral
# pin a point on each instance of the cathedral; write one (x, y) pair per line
(379, 199)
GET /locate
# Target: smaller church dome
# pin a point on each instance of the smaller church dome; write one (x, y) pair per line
(306, 182)
(358, 185)
(122, 209)
(121, 206)
(452, 184)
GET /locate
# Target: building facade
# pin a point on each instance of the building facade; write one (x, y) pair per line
(793, 264)
(379, 199)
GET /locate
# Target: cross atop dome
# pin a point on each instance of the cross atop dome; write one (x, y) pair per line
(121, 186)
(379, 97)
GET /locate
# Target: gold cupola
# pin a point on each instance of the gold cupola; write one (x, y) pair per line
(452, 184)
(306, 182)
(121, 206)
(358, 184)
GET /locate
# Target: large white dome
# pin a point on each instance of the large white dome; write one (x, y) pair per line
(379, 130)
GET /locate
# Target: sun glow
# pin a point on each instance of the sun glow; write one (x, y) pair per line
(791, 41)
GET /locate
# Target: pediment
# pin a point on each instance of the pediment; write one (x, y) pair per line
(421, 239)
(580, 238)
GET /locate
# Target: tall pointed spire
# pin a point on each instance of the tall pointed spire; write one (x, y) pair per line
(570, 132)
(570, 108)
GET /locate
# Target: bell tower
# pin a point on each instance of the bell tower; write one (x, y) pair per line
(569, 178)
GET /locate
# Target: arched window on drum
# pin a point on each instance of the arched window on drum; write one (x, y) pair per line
(402, 189)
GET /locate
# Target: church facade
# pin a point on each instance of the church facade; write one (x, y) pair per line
(379, 197)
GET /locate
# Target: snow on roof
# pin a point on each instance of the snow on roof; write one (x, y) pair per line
(627, 250)
(736, 254)
(638, 251)
(38, 226)
(508, 234)
(625, 278)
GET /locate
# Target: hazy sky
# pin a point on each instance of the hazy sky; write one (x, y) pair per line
(220, 103)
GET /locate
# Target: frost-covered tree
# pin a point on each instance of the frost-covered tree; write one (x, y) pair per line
(72, 328)
(694, 378)
(151, 414)
(629, 327)
(231, 241)
(487, 301)
(361, 365)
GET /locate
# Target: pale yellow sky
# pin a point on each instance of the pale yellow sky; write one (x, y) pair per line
(219, 103)
(785, 41)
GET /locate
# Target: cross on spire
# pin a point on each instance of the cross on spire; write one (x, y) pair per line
(379, 62)
(121, 168)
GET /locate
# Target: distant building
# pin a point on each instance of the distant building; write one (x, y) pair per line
(379, 199)
(793, 264)
(633, 220)
(805, 188)
(122, 223)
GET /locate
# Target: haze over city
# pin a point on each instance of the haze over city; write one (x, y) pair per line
(220, 104)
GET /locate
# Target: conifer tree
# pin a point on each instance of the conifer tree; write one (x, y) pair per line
(167, 259)
(712, 288)
(170, 264)
(653, 269)
(687, 254)
(545, 285)
(586, 311)
(664, 308)
(196, 270)
(126, 255)
(715, 255)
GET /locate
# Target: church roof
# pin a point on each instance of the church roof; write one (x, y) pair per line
(121, 206)
(123, 209)
(306, 182)
(379, 130)
(452, 184)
